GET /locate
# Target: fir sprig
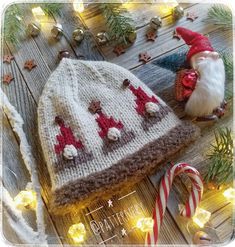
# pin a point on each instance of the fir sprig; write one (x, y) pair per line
(228, 64)
(220, 15)
(119, 25)
(221, 158)
(14, 29)
(52, 8)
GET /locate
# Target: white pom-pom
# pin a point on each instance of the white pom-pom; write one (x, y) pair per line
(151, 108)
(114, 134)
(70, 152)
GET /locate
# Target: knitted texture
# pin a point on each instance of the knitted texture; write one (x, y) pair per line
(123, 132)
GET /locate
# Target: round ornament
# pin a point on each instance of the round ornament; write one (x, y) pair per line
(102, 38)
(201, 238)
(156, 22)
(178, 12)
(57, 31)
(63, 54)
(78, 35)
(34, 29)
(132, 36)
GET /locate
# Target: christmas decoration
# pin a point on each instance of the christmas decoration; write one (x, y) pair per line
(229, 194)
(178, 12)
(8, 78)
(29, 64)
(78, 6)
(57, 31)
(221, 15)
(191, 16)
(131, 37)
(119, 25)
(126, 83)
(201, 217)
(51, 8)
(209, 94)
(220, 169)
(228, 63)
(176, 35)
(151, 36)
(34, 29)
(63, 54)
(119, 49)
(77, 232)
(38, 13)
(144, 57)
(26, 199)
(78, 35)
(145, 224)
(95, 106)
(102, 38)
(202, 238)
(161, 202)
(156, 22)
(7, 59)
(166, 6)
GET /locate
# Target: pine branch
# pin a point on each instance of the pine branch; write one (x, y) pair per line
(221, 158)
(228, 64)
(52, 8)
(220, 15)
(119, 25)
(14, 29)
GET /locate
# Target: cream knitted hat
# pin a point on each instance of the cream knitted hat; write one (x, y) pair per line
(102, 129)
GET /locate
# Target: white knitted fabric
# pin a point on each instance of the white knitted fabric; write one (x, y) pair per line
(68, 93)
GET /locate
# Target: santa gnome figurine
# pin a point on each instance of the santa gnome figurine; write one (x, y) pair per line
(202, 86)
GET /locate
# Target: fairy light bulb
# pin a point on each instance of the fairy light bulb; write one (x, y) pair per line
(77, 232)
(201, 217)
(26, 199)
(167, 6)
(229, 194)
(78, 6)
(145, 224)
(38, 13)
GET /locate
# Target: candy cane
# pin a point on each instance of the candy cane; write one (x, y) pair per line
(190, 207)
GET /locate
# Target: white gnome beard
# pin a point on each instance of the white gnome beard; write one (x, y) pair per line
(209, 91)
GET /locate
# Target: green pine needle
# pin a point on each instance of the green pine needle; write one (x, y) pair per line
(228, 64)
(221, 158)
(52, 8)
(119, 25)
(14, 29)
(220, 15)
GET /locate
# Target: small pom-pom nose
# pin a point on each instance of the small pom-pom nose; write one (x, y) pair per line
(151, 108)
(70, 152)
(114, 134)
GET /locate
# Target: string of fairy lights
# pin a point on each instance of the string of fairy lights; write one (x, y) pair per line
(26, 199)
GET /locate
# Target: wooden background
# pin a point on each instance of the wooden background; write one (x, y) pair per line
(24, 93)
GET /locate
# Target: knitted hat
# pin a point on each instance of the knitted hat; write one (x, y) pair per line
(197, 41)
(101, 130)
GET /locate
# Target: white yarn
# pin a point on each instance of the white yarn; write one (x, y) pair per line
(114, 134)
(17, 125)
(151, 108)
(70, 152)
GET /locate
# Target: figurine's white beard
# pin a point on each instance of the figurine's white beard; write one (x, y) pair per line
(209, 91)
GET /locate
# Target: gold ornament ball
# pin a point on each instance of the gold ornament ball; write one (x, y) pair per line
(34, 29)
(178, 12)
(78, 34)
(132, 36)
(202, 238)
(57, 31)
(26, 199)
(102, 38)
(77, 232)
(156, 22)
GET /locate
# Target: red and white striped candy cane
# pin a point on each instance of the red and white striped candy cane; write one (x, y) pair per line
(190, 207)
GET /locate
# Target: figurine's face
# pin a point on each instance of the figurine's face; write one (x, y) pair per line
(197, 58)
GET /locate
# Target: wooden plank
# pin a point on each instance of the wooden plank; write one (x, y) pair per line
(164, 42)
(15, 177)
(138, 201)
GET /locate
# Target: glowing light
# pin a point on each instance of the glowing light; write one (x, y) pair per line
(38, 13)
(78, 6)
(145, 224)
(77, 232)
(26, 199)
(230, 194)
(167, 6)
(201, 217)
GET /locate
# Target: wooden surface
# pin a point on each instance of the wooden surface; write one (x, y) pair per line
(24, 93)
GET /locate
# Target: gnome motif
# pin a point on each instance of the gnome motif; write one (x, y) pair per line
(109, 127)
(144, 102)
(67, 143)
(205, 86)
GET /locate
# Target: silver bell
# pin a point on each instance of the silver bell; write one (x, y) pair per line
(57, 31)
(34, 29)
(78, 34)
(156, 22)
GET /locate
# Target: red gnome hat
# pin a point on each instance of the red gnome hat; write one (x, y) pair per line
(197, 41)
